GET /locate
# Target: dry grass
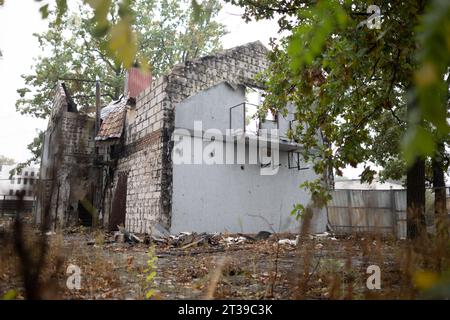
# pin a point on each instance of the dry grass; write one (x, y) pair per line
(318, 268)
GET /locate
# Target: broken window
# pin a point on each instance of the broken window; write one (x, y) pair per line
(253, 100)
(254, 96)
(271, 116)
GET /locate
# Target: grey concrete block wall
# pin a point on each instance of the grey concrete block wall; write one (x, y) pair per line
(66, 165)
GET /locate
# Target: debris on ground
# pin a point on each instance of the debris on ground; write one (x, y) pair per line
(318, 246)
(322, 235)
(234, 240)
(185, 240)
(159, 231)
(131, 238)
(289, 241)
(124, 236)
(263, 235)
(186, 262)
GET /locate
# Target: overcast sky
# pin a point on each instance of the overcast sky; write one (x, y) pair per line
(20, 19)
(17, 24)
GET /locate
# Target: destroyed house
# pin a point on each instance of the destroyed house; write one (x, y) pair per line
(189, 151)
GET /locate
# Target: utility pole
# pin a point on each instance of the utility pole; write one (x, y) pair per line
(97, 106)
(97, 193)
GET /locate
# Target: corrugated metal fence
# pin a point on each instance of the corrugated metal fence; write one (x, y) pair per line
(381, 211)
(10, 204)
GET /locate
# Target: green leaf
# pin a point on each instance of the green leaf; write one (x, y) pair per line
(418, 142)
(196, 10)
(44, 11)
(368, 175)
(298, 211)
(61, 9)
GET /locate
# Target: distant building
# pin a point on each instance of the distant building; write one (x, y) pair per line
(9, 186)
(355, 184)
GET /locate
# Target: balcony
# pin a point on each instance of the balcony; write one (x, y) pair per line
(245, 120)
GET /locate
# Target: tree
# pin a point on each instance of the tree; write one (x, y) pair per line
(361, 86)
(179, 34)
(5, 161)
(168, 32)
(77, 50)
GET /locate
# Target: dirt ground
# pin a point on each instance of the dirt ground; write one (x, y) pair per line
(318, 267)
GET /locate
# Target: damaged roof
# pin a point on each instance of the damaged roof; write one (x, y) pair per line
(112, 106)
(113, 116)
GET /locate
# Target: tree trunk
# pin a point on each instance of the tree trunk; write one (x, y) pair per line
(415, 185)
(415, 199)
(440, 194)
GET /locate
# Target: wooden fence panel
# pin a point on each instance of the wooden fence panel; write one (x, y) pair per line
(353, 211)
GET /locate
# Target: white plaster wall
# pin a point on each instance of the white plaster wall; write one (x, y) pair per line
(233, 198)
(212, 107)
(220, 198)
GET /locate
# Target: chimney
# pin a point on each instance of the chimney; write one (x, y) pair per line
(136, 81)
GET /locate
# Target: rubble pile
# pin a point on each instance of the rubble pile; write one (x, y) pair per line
(185, 240)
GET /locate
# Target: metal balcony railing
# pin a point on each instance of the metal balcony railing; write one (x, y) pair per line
(250, 123)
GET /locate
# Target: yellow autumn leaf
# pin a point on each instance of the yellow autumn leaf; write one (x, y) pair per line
(10, 295)
(151, 276)
(150, 293)
(123, 42)
(101, 7)
(426, 75)
(425, 279)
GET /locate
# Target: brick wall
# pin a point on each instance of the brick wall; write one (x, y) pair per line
(141, 160)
